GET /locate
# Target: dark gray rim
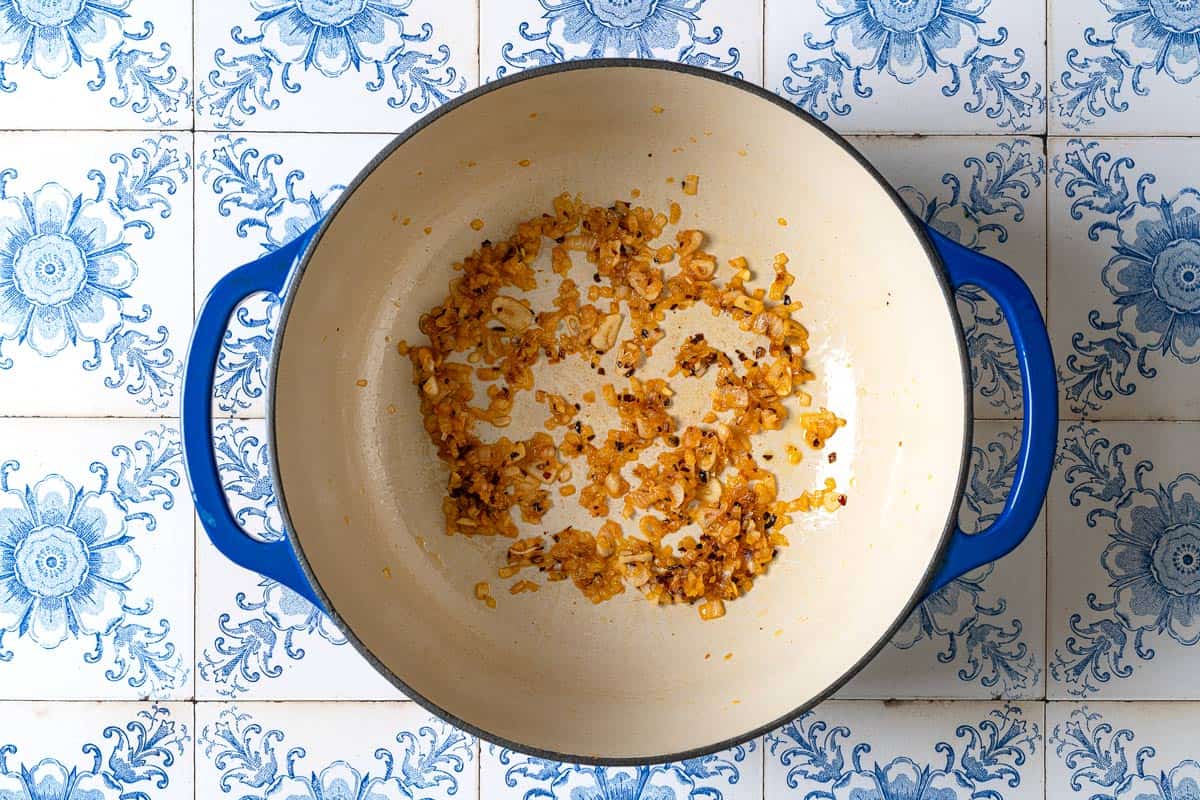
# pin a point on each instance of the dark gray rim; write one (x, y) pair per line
(298, 273)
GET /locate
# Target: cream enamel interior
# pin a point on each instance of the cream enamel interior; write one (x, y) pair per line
(624, 679)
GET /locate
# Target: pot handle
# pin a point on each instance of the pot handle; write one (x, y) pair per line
(1039, 437)
(275, 560)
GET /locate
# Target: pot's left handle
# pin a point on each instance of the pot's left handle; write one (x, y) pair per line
(275, 560)
(1039, 435)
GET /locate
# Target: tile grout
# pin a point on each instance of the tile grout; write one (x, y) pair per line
(1045, 503)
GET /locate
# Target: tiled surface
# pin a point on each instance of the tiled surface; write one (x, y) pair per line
(269, 65)
(881, 749)
(109, 500)
(1123, 68)
(967, 66)
(396, 751)
(722, 35)
(114, 64)
(96, 750)
(1121, 750)
(1126, 325)
(190, 138)
(1123, 510)
(732, 774)
(114, 350)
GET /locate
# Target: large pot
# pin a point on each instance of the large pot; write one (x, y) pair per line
(622, 682)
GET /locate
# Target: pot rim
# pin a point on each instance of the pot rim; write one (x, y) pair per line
(288, 295)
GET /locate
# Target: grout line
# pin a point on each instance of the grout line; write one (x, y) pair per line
(479, 768)
(763, 747)
(195, 750)
(1046, 563)
(1046, 539)
(195, 677)
(764, 45)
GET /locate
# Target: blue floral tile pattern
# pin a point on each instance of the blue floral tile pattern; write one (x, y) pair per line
(331, 64)
(78, 752)
(127, 61)
(886, 65)
(1114, 751)
(81, 575)
(1128, 334)
(79, 277)
(1126, 610)
(1124, 66)
(389, 751)
(729, 775)
(988, 751)
(721, 35)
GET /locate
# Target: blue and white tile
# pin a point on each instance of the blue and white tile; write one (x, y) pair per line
(911, 66)
(1122, 751)
(256, 639)
(1125, 276)
(95, 249)
(254, 194)
(321, 751)
(96, 561)
(98, 64)
(1124, 576)
(735, 774)
(869, 750)
(295, 65)
(990, 195)
(981, 636)
(721, 35)
(96, 751)
(1122, 67)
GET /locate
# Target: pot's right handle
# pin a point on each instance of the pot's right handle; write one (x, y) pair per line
(275, 560)
(1039, 437)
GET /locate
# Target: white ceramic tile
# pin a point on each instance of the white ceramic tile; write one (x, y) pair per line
(96, 239)
(256, 639)
(73, 751)
(734, 774)
(287, 65)
(333, 750)
(988, 194)
(982, 635)
(1124, 277)
(722, 35)
(865, 749)
(1121, 750)
(1129, 67)
(255, 193)
(96, 64)
(96, 565)
(1124, 549)
(882, 66)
